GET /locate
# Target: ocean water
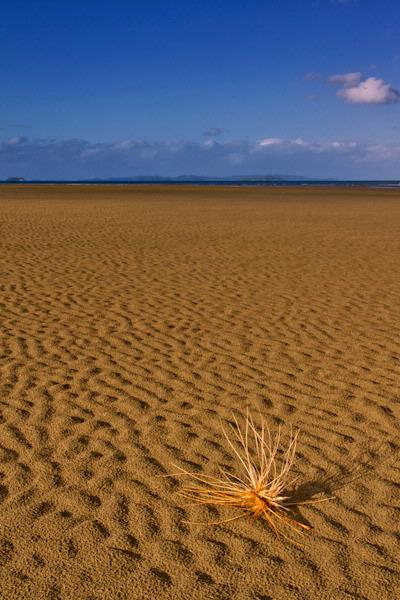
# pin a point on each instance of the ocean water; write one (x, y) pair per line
(220, 182)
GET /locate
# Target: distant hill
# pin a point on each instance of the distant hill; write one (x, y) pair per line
(204, 178)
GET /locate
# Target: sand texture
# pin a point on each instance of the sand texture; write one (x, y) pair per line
(134, 320)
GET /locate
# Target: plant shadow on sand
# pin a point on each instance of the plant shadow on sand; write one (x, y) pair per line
(262, 485)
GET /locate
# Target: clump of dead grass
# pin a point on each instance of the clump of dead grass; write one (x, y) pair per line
(263, 485)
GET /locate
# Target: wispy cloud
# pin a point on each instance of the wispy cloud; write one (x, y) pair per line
(270, 142)
(299, 144)
(346, 79)
(214, 132)
(15, 140)
(83, 159)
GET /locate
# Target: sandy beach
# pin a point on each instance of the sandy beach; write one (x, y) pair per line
(134, 319)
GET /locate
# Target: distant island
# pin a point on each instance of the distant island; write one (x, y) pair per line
(204, 178)
(177, 179)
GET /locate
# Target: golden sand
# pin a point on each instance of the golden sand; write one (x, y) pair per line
(134, 319)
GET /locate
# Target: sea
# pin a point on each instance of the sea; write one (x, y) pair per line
(220, 182)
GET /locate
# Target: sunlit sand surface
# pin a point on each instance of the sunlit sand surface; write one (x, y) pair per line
(134, 320)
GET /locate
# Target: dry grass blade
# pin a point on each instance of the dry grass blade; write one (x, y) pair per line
(263, 480)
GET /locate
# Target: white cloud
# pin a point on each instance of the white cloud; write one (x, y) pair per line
(15, 140)
(342, 145)
(381, 153)
(370, 91)
(299, 144)
(90, 152)
(83, 159)
(357, 90)
(270, 142)
(346, 79)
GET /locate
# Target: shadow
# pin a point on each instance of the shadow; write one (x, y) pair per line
(357, 466)
(324, 487)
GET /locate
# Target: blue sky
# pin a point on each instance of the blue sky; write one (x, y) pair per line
(98, 89)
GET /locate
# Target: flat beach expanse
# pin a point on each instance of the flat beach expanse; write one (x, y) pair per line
(134, 319)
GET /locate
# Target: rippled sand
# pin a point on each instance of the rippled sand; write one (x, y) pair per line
(133, 319)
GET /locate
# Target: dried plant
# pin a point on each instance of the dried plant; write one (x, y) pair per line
(263, 487)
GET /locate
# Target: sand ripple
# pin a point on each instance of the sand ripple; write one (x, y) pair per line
(133, 319)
